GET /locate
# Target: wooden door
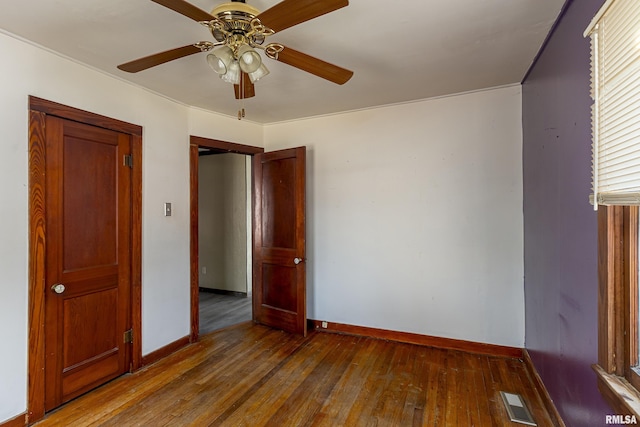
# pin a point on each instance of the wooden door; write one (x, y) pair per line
(279, 272)
(88, 263)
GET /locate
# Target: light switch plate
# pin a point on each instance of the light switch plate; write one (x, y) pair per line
(167, 209)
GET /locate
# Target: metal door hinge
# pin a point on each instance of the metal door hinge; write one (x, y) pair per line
(128, 160)
(128, 336)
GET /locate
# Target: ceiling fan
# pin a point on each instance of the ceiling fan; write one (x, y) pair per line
(240, 29)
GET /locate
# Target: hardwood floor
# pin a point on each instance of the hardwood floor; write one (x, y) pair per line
(251, 375)
(219, 311)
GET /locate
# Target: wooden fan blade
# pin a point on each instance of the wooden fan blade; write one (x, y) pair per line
(249, 90)
(186, 9)
(288, 13)
(314, 66)
(159, 58)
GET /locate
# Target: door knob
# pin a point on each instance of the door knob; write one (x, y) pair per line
(58, 288)
(297, 261)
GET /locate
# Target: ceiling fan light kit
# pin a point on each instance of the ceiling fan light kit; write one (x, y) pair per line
(259, 73)
(233, 73)
(240, 29)
(248, 59)
(220, 59)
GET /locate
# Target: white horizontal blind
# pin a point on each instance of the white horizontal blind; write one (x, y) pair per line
(615, 78)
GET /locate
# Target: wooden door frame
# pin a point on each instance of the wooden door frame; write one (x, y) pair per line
(220, 147)
(38, 110)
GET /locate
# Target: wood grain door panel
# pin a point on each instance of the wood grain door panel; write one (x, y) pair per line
(88, 225)
(92, 205)
(279, 284)
(278, 208)
(97, 358)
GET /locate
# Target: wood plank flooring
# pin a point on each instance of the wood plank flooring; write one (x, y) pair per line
(218, 311)
(251, 375)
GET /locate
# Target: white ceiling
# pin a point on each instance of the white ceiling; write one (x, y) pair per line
(400, 51)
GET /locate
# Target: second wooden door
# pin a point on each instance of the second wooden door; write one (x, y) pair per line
(88, 258)
(279, 270)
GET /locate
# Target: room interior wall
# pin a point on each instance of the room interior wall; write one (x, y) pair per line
(30, 70)
(560, 226)
(414, 216)
(414, 210)
(222, 222)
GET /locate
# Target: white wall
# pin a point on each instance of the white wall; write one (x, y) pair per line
(414, 216)
(223, 128)
(28, 70)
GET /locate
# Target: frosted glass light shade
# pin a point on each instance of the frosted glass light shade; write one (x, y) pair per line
(249, 59)
(220, 59)
(259, 73)
(233, 73)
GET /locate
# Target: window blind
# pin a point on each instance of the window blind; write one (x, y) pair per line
(615, 89)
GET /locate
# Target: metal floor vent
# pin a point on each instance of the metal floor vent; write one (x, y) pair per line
(516, 408)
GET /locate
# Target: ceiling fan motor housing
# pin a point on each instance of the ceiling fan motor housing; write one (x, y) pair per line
(237, 16)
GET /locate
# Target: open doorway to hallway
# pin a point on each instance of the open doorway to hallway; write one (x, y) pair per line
(201, 145)
(224, 236)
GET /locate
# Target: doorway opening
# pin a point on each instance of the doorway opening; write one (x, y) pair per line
(221, 270)
(224, 236)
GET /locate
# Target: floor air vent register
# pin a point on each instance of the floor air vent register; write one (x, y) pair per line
(516, 408)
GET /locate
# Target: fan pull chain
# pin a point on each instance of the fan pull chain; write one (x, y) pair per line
(241, 96)
(241, 92)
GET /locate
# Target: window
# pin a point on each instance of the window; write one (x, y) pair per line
(615, 68)
(615, 88)
(617, 368)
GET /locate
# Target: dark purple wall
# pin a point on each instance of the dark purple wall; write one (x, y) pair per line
(560, 239)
